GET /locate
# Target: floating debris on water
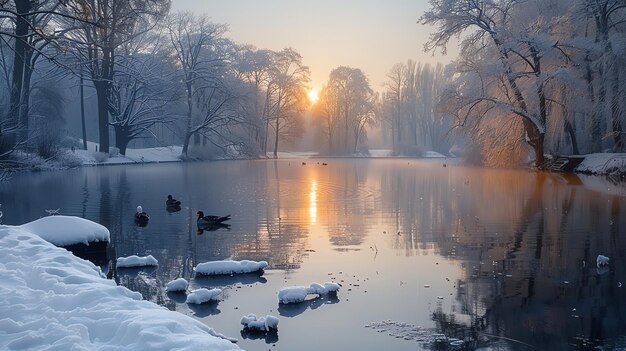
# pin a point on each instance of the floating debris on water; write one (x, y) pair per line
(410, 332)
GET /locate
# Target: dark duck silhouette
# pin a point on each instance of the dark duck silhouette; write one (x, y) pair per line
(171, 201)
(141, 218)
(210, 220)
(172, 205)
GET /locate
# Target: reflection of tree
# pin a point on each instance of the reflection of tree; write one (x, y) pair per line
(534, 281)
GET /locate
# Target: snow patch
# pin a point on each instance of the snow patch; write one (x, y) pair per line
(229, 267)
(295, 294)
(263, 324)
(204, 295)
(136, 261)
(55, 300)
(67, 230)
(177, 285)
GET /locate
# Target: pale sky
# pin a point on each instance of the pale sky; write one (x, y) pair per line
(371, 35)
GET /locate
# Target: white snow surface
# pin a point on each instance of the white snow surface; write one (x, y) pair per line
(295, 294)
(67, 230)
(229, 267)
(147, 155)
(136, 261)
(177, 285)
(263, 324)
(602, 260)
(600, 162)
(53, 300)
(204, 295)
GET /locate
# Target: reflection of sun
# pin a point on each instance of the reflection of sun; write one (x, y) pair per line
(313, 202)
(313, 95)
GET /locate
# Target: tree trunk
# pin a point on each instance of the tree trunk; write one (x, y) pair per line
(22, 7)
(103, 114)
(186, 143)
(569, 129)
(122, 138)
(82, 113)
(276, 137)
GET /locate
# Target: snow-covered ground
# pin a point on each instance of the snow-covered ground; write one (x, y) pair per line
(148, 155)
(67, 230)
(52, 300)
(604, 163)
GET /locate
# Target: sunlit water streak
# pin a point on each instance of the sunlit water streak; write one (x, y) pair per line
(497, 258)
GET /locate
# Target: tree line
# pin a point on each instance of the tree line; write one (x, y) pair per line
(147, 67)
(531, 78)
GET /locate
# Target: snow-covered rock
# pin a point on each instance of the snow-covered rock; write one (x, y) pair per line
(204, 295)
(67, 230)
(136, 261)
(295, 294)
(602, 260)
(229, 267)
(263, 324)
(177, 285)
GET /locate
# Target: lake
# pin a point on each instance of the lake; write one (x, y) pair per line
(429, 257)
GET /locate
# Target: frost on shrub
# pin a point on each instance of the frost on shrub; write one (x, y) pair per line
(100, 157)
(69, 159)
(114, 151)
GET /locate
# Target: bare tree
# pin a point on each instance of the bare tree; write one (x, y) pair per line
(287, 94)
(117, 22)
(202, 54)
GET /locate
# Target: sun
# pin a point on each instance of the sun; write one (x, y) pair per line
(313, 95)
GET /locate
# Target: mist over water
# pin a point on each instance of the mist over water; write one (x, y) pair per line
(498, 258)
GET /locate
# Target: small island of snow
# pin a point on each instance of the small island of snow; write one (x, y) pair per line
(229, 267)
(262, 324)
(67, 230)
(177, 285)
(204, 295)
(136, 261)
(295, 294)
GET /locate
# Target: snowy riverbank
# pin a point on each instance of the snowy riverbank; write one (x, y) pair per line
(54, 300)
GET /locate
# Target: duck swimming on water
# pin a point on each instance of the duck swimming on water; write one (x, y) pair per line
(141, 217)
(171, 201)
(209, 220)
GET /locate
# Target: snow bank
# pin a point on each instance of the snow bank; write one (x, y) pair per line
(602, 163)
(204, 295)
(295, 294)
(432, 154)
(67, 230)
(54, 300)
(177, 285)
(146, 155)
(263, 324)
(136, 261)
(229, 267)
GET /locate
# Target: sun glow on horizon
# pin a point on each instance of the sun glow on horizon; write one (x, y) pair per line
(313, 96)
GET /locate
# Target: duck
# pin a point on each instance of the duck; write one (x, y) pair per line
(141, 217)
(210, 220)
(171, 201)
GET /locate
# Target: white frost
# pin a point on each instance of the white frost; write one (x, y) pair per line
(52, 299)
(229, 267)
(263, 324)
(67, 230)
(204, 295)
(179, 284)
(136, 261)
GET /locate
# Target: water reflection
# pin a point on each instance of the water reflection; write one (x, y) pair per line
(519, 247)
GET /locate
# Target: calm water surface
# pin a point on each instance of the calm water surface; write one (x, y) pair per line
(504, 260)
